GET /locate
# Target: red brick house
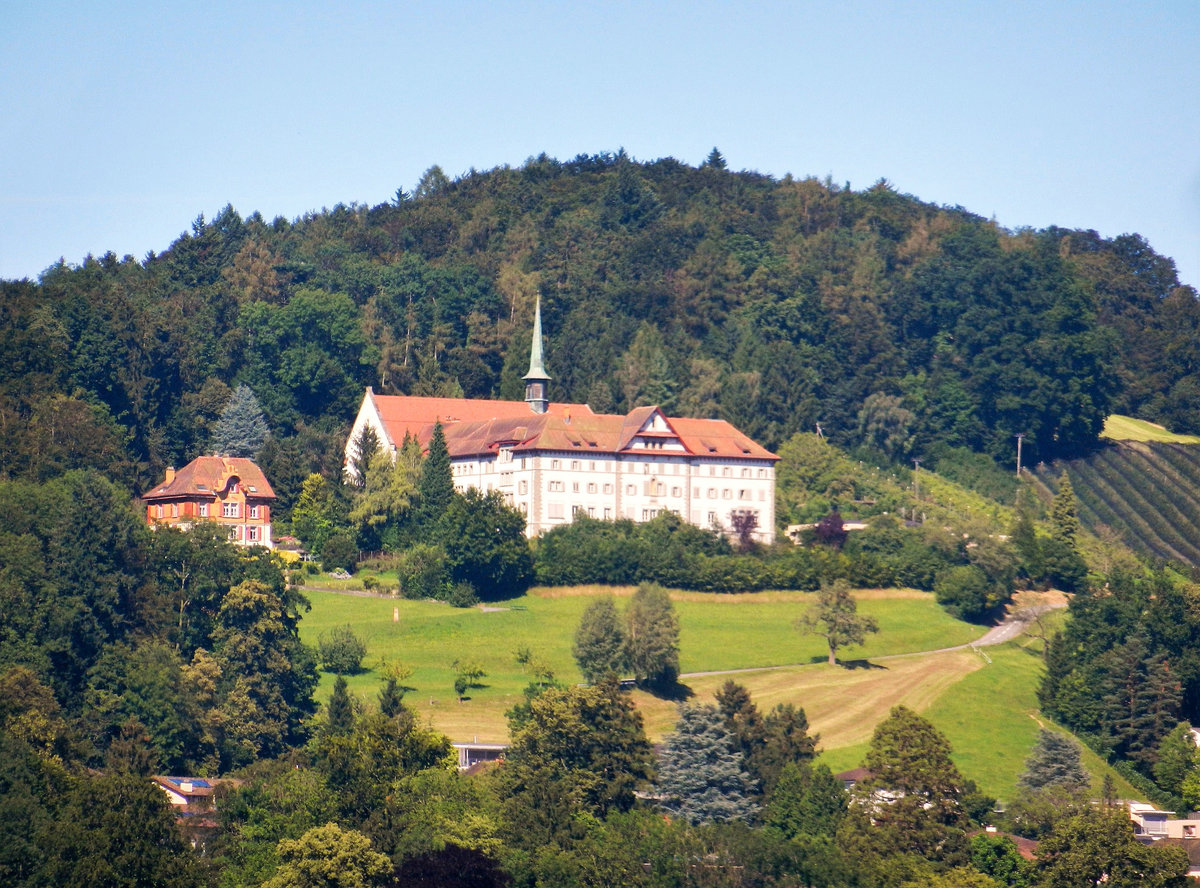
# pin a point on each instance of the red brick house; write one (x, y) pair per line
(230, 491)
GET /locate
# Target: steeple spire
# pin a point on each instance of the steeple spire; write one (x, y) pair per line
(537, 377)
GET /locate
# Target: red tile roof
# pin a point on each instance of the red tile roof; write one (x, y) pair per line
(477, 427)
(209, 475)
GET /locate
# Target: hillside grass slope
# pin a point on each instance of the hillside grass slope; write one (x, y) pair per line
(985, 703)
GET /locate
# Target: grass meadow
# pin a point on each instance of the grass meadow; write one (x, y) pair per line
(984, 703)
(1126, 428)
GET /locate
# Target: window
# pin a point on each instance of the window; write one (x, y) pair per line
(607, 513)
(174, 510)
(524, 507)
(742, 494)
(608, 488)
(712, 519)
(555, 464)
(252, 511)
(576, 511)
(726, 472)
(523, 487)
(712, 493)
(202, 510)
(762, 473)
(574, 465)
(554, 510)
(592, 487)
(556, 487)
(631, 489)
(695, 493)
(252, 534)
(158, 511)
(726, 493)
(745, 473)
(230, 510)
(575, 487)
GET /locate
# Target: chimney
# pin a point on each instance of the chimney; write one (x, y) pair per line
(170, 474)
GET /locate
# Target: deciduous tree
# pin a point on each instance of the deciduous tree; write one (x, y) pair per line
(652, 636)
(834, 617)
(599, 646)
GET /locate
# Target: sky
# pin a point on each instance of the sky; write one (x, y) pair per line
(123, 121)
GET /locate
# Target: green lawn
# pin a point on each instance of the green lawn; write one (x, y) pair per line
(1126, 428)
(716, 632)
(988, 710)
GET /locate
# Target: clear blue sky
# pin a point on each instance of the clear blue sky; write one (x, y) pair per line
(122, 121)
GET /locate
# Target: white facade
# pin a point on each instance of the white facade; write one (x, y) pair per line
(634, 467)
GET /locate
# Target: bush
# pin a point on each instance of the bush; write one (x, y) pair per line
(370, 583)
(461, 595)
(422, 572)
(341, 651)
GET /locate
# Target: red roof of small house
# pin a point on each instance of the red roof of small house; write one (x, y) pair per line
(475, 427)
(209, 475)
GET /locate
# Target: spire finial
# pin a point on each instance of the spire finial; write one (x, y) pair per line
(537, 377)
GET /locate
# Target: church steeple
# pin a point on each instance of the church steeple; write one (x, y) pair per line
(537, 378)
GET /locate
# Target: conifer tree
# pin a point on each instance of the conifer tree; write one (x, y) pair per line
(241, 429)
(1063, 563)
(700, 773)
(1055, 759)
(366, 445)
(341, 709)
(1064, 522)
(437, 483)
(391, 698)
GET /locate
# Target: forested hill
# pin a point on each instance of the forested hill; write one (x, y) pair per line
(776, 304)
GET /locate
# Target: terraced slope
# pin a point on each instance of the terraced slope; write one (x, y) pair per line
(1147, 491)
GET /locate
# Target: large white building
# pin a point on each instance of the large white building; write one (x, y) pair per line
(555, 461)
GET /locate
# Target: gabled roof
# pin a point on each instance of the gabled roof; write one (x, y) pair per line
(206, 476)
(416, 415)
(475, 427)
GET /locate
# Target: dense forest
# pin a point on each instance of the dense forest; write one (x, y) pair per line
(779, 305)
(819, 319)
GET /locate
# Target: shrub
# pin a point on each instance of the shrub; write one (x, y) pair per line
(341, 651)
(422, 572)
(461, 595)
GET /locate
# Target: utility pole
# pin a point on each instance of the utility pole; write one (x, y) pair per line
(1019, 437)
(917, 479)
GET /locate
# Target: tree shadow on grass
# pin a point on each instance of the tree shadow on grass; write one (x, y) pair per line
(859, 664)
(675, 691)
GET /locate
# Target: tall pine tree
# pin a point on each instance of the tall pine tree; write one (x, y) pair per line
(241, 429)
(437, 483)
